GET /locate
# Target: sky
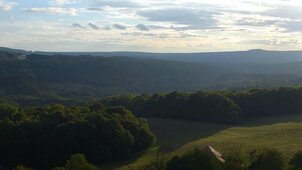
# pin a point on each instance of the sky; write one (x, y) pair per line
(151, 25)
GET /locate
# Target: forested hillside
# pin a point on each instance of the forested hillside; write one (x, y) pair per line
(35, 78)
(98, 76)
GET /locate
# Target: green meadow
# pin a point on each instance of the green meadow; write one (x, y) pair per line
(283, 133)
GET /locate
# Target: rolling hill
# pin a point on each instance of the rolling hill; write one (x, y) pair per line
(45, 77)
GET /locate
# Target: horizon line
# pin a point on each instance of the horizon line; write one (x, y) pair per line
(150, 52)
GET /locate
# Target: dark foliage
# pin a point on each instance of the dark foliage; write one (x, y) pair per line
(267, 159)
(234, 161)
(269, 102)
(296, 161)
(219, 107)
(77, 162)
(43, 137)
(200, 106)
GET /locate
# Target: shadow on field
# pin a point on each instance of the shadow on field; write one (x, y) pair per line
(172, 134)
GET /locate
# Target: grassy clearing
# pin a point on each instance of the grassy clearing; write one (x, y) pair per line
(285, 137)
(176, 137)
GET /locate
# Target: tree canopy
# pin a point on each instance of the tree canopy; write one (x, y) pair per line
(46, 136)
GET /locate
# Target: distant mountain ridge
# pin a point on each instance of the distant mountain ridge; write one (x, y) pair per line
(14, 51)
(256, 56)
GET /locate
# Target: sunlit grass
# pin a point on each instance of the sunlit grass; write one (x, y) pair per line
(177, 137)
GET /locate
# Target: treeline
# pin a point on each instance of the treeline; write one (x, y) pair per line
(200, 106)
(45, 137)
(268, 102)
(218, 107)
(197, 159)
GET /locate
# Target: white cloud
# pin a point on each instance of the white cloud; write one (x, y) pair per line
(61, 2)
(53, 10)
(291, 12)
(6, 6)
(116, 4)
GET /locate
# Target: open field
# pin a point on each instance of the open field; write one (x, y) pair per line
(176, 137)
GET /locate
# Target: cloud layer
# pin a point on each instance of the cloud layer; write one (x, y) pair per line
(53, 10)
(157, 25)
(6, 6)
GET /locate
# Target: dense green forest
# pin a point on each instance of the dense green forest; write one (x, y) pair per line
(219, 106)
(45, 137)
(200, 106)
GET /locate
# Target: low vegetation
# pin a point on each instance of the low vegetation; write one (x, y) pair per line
(77, 162)
(197, 159)
(296, 161)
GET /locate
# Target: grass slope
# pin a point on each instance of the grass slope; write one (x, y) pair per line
(177, 137)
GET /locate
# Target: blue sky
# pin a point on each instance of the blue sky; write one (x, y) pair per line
(151, 25)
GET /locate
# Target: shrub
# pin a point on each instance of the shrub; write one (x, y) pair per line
(234, 162)
(267, 159)
(296, 161)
